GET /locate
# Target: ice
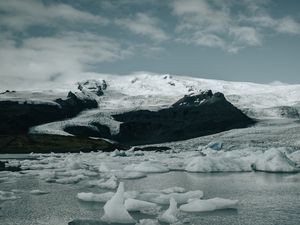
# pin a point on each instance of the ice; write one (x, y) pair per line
(295, 156)
(180, 198)
(147, 167)
(117, 152)
(129, 174)
(172, 190)
(70, 180)
(114, 209)
(111, 183)
(147, 222)
(170, 215)
(91, 197)
(7, 195)
(134, 205)
(217, 164)
(215, 145)
(199, 205)
(273, 160)
(38, 192)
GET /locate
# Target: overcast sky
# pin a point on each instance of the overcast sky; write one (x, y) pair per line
(63, 40)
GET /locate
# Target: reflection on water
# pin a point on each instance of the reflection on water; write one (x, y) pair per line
(265, 198)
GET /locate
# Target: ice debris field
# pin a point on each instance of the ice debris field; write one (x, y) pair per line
(107, 171)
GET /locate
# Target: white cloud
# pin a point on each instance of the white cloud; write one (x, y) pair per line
(20, 14)
(215, 23)
(145, 25)
(42, 59)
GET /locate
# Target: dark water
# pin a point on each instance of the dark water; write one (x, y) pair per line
(265, 198)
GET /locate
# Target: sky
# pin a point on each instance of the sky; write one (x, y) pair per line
(52, 41)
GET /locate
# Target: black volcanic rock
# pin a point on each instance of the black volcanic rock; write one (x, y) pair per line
(17, 118)
(190, 117)
(94, 130)
(39, 143)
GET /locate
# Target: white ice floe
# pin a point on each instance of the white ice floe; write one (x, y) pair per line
(129, 174)
(114, 209)
(147, 222)
(38, 192)
(217, 164)
(274, 160)
(69, 180)
(170, 215)
(148, 167)
(180, 198)
(295, 156)
(111, 183)
(7, 195)
(199, 205)
(173, 190)
(92, 197)
(135, 205)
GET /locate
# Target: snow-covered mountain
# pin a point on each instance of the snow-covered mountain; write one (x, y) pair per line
(116, 94)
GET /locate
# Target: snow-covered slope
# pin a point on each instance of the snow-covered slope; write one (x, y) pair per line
(155, 91)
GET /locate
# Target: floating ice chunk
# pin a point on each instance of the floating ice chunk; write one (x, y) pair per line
(111, 183)
(117, 152)
(129, 174)
(295, 156)
(103, 197)
(172, 190)
(215, 145)
(170, 215)
(147, 167)
(134, 205)
(199, 205)
(138, 153)
(91, 197)
(70, 180)
(180, 198)
(38, 192)
(7, 195)
(148, 222)
(114, 209)
(103, 168)
(218, 164)
(274, 160)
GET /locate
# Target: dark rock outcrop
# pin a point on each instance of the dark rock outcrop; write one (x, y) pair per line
(17, 118)
(94, 130)
(53, 143)
(190, 117)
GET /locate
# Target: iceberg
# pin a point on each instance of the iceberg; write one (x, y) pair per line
(199, 205)
(111, 183)
(147, 167)
(217, 164)
(170, 215)
(91, 197)
(134, 205)
(273, 160)
(180, 198)
(114, 209)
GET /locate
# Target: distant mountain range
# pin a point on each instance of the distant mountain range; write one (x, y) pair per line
(145, 108)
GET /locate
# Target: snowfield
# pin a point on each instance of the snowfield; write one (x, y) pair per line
(157, 91)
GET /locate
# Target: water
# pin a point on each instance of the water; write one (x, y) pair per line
(265, 198)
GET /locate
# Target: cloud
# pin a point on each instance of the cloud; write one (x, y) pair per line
(230, 25)
(143, 24)
(19, 14)
(61, 57)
